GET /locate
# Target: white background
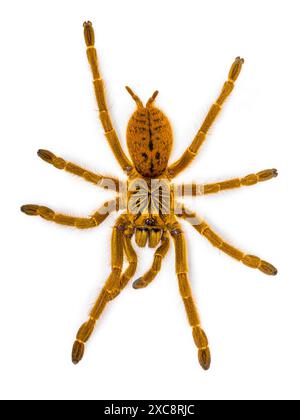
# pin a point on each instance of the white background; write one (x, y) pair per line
(50, 275)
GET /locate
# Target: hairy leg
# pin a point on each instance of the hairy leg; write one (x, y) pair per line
(132, 260)
(79, 222)
(194, 147)
(250, 260)
(105, 119)
(107, 293)
(187, 297)
(60, 163)
(193, 190)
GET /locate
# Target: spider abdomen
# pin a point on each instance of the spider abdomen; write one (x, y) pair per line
(149, 140)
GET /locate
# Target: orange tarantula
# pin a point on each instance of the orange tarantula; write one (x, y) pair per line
(150, 201)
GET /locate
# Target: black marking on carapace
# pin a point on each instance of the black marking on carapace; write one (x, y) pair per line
(145, 156)
(157, 156)
(151, 167)
(150, 145)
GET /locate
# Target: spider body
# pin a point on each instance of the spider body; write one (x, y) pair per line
(149, 139)
(150, 203)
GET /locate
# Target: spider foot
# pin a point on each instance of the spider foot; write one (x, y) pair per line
(46, 155)
(267, 174)
(239, 59)
(30, 209)
(268, 268)
(77, 352)
(35, 210)
(255, 262)
(201, 342)
(50, 157)
(204, 358)
(84, 333)
(139, 283)
(236, 69)
(89, 34)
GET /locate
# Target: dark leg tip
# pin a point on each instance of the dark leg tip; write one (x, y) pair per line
(268, 268)
(46, 155)
(77, 352)
(30, 209)
(87, 23)
(138, 284)
(240, 59)
(204, 358)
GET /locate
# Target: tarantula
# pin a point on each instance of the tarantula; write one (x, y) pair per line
(150, 201)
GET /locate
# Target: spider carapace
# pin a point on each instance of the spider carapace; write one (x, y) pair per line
(150, 202)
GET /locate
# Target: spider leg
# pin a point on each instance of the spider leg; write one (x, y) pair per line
(132, 260)
(113, 286)
(194, 190)
(107, 293)
(60, 163)
(194, 147)
(160, 253)
(202, 227)
(79, 222)
(186, 294)
(109, 131)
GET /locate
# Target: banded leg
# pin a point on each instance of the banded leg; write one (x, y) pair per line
(132, 260)
(60, 163)
(193, 149)
(160, 253)
(107, 292)
(105, 119)
(194, 190)
(250, 260)
(79, 222)
(187, 297)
